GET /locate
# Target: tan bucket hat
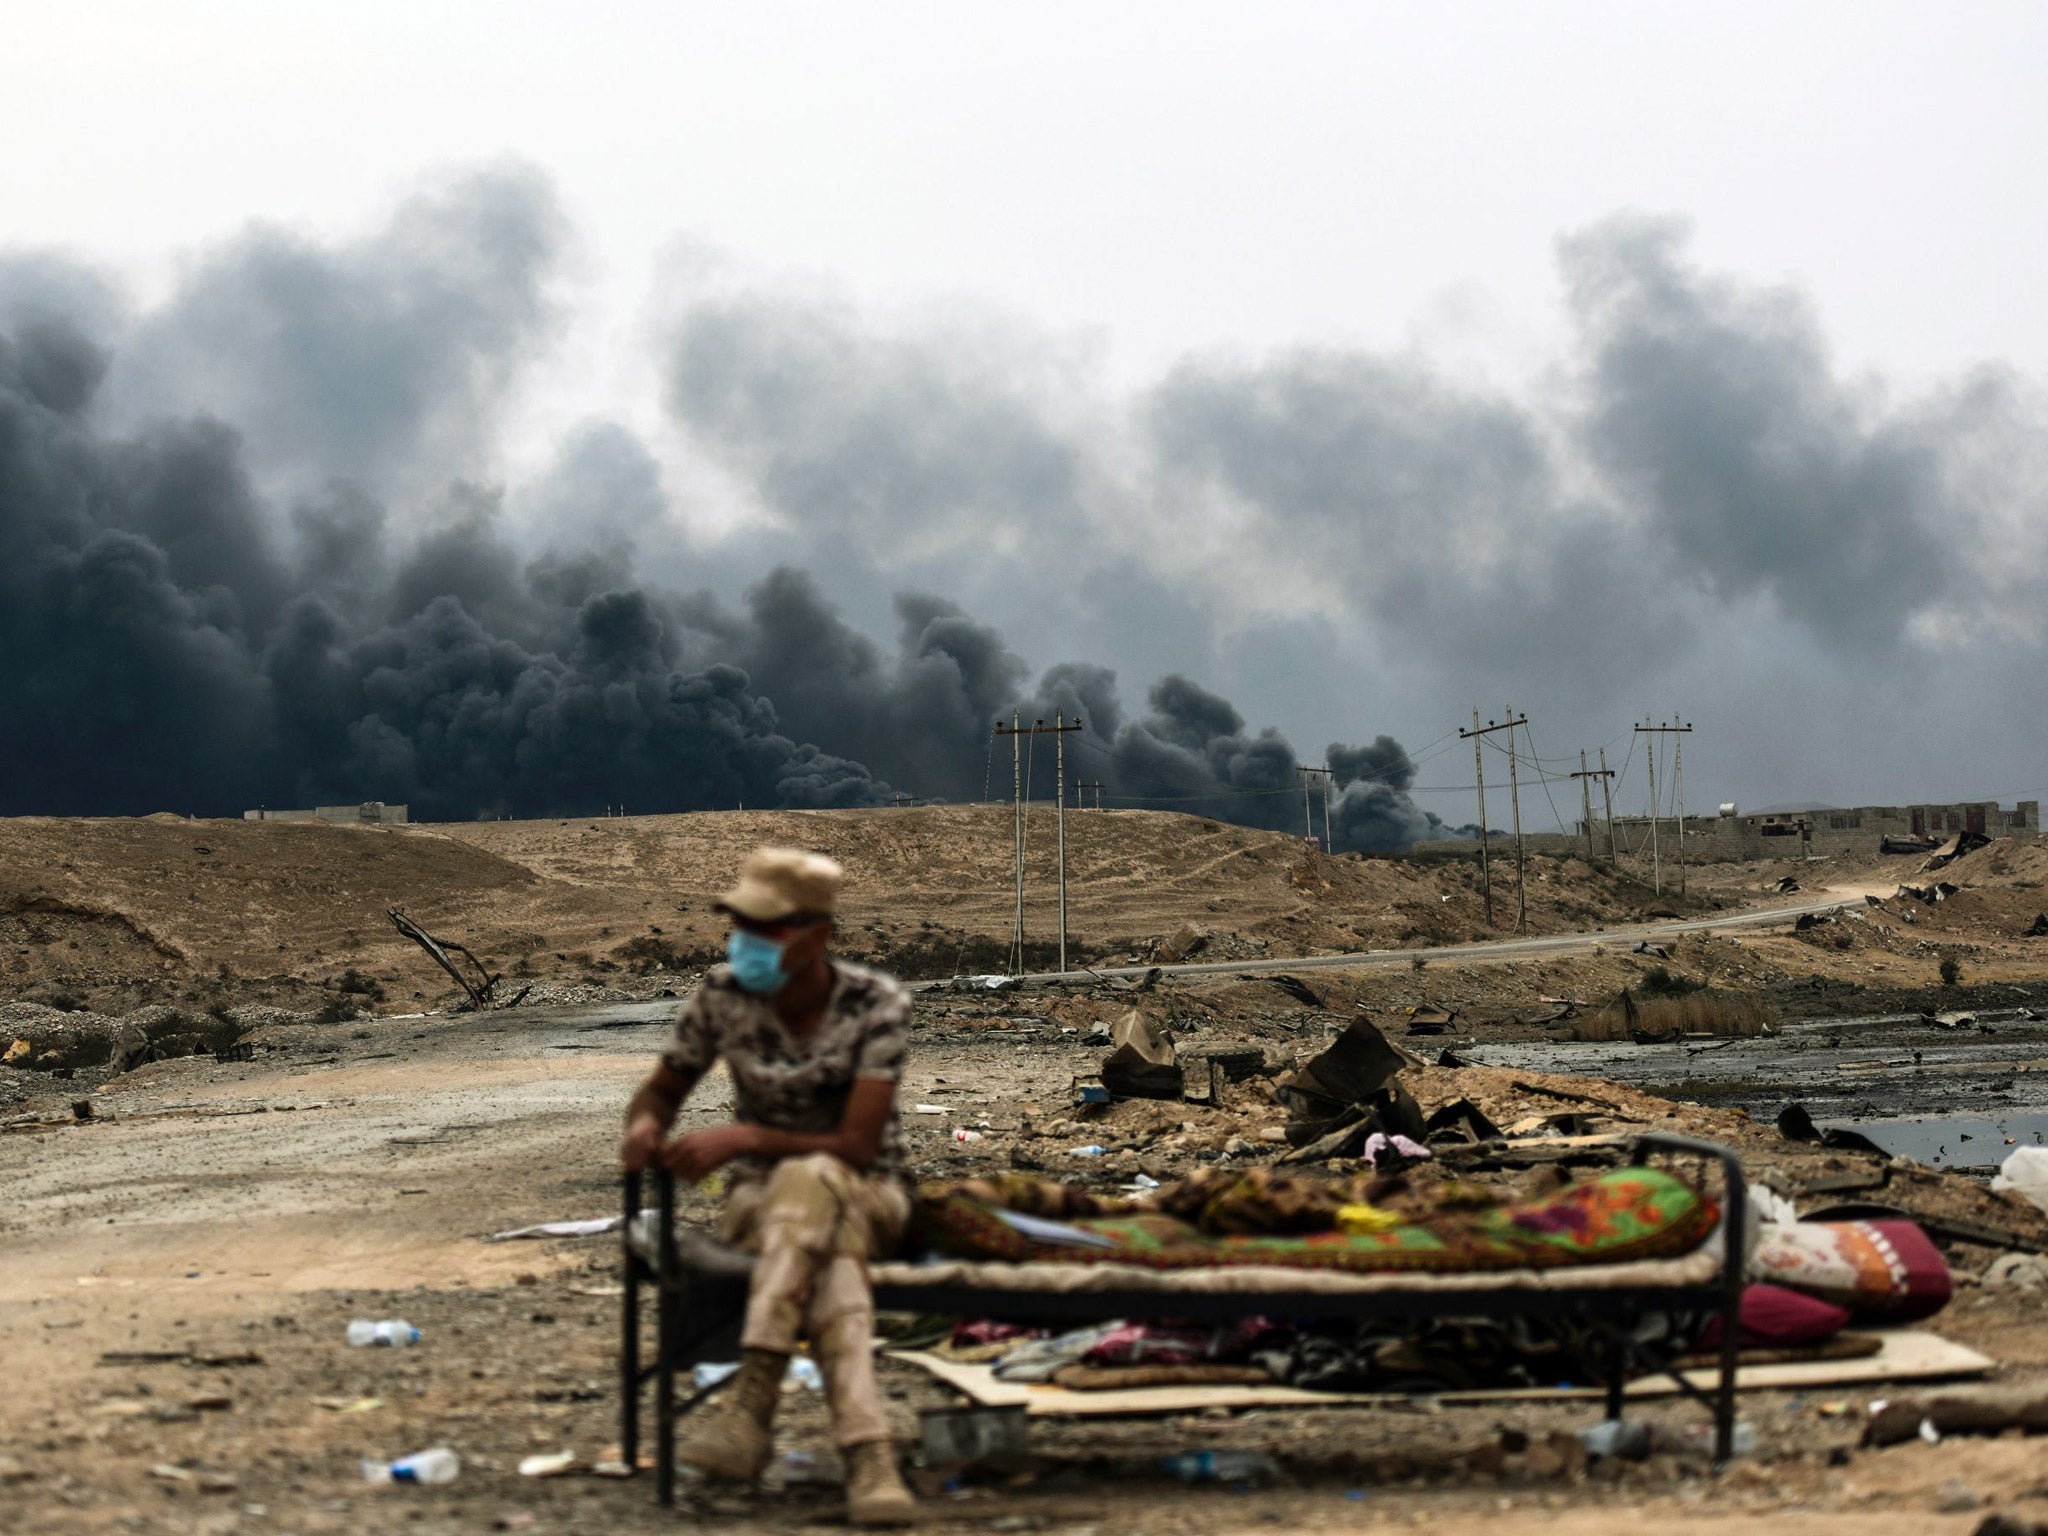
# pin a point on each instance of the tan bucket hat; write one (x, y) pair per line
(777, 884)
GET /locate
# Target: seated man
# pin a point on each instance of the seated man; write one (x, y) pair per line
(819, 1180)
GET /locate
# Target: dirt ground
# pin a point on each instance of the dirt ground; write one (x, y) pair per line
(230, 1216)
(104, 912)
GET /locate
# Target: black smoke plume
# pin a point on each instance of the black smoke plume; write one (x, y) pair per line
(177, 639)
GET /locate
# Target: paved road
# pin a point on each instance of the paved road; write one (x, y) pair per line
(1495, 949)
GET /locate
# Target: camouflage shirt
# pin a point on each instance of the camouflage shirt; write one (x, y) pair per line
(792, 1085)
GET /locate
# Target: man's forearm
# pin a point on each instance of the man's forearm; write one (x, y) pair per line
(656, 1099)
(774, 1145)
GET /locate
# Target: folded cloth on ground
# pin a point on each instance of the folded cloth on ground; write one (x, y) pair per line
(1874, 1269)
(1037, 1359)
(1618, 1216)
(1179, 1343)
(1123, 1378)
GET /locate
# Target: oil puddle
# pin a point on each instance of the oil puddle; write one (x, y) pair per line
(1950, 1141)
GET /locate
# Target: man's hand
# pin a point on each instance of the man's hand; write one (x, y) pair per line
(642, 1145)
(701, 1153)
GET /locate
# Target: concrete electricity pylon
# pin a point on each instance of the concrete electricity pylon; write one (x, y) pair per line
(1679, 732)
(1514, 795)
(1016, 730)
(1308, 775)
(1587, 775)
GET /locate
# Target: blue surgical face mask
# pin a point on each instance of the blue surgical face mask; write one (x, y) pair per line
(756, 962)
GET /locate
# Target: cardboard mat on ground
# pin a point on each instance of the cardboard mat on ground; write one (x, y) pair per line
(1905, 1354)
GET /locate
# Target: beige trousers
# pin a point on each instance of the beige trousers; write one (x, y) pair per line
(815, 1223)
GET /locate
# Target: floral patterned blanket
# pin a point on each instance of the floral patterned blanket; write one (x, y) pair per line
(1615, 1217)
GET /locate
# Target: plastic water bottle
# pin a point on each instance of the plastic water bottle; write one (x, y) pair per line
(1091, 1150)
(397, 1333)
(439, 1465)
(1222, 1467)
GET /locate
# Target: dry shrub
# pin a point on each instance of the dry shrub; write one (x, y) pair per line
(1697, 1013)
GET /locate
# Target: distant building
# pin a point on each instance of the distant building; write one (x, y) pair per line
(370, 812)
(1829, 829)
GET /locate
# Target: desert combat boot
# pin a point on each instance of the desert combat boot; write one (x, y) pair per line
(875, 1494)
(735, 1438)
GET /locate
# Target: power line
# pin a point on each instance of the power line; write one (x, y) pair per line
(1477, 736)
(1605, 775)
(1678, 733)
(1545, 780)
(1059, 731)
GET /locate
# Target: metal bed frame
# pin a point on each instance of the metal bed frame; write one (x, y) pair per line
(698, 1312)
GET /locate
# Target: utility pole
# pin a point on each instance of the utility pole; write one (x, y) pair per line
(1585, 778)
(1678, 773)
(1587, 775)
(1308, 776)
(1479, 776)
(1084, 786)
(1479, 779)
(1017, 730)
(1016, 735)
(1515, 803)
(1653, 732)
(1607, 795)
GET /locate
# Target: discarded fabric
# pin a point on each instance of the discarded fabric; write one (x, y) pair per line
(594, 1227)
(2025, 1173)
(1367, 1218)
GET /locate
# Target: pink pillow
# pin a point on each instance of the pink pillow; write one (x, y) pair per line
(1886, 1270)
(1775, 1318)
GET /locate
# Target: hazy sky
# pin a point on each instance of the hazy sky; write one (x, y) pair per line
(1157, 177)
(1153, 222)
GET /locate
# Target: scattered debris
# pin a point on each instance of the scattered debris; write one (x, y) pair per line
(1796, 1123)
(1955, 848)
(2016, 1272)
(478, 992)
(1932, 895)
(349, 1404)
(1141, 1063)
(1959, 1411)
(2025, 1172)
(592, 1227)
(439, 1465)
(1429, 1019)
(963, 1437)
(550, 1464)
(1295, 988)
(1346, 1094)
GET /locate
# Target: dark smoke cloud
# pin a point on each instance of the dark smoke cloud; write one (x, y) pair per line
(251, 549)
(1191, 751)
(175, 648)
(1694, 501)
(174, 642)
(383, 362)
